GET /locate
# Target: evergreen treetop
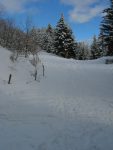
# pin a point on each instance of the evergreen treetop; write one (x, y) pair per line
(106, 30)
(95, 49)
(64, 40)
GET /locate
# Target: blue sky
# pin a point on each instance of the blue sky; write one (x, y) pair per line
(83, 16)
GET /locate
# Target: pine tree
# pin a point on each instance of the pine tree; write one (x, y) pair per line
(106, 30)
(49, 29)
(83, 51)
(64, 40)
(95, 49)
(50, 39)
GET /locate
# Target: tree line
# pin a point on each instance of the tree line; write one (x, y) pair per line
(58, 40)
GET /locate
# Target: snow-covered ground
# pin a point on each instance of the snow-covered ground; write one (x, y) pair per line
(70, 108)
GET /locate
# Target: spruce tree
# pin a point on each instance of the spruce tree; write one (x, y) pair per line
(49, 30)
(95, 49)
(64, 40)
(83, 51)
(50, 39)
(106, 30)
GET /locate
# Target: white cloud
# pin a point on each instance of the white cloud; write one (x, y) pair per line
(15, 5)
(84, 10)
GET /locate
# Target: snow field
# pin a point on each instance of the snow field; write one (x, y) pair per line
(70, 108)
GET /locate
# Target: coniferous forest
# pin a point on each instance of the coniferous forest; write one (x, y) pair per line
(58, 40)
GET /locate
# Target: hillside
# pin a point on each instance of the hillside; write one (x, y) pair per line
(70, 108)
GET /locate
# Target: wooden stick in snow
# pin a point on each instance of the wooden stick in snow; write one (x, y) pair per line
(9, 81)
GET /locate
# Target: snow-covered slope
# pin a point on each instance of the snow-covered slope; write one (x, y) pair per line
(70, 108)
